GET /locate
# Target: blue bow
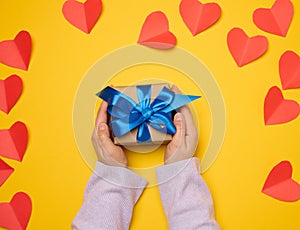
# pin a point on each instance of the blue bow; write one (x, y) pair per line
(128, 115)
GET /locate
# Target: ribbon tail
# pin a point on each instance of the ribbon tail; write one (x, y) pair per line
(119, 127)
(143, 134)
(107, 94)
(178, 101)
(115, 98)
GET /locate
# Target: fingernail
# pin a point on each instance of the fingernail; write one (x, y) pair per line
(101, 127)
(178, 117)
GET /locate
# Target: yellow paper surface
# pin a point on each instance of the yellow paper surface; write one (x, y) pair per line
(53, 172)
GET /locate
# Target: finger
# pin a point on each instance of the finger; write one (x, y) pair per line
(107, 152)
(104, 140)
(189, 121)
(103, 130)
(102, 113)
(114, 155)
(175, 89)
(179, 136)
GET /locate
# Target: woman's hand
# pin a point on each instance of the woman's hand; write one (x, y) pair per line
(107, 152)
(185, 140)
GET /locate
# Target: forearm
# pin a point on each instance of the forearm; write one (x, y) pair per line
(110, 196)
(185, 197)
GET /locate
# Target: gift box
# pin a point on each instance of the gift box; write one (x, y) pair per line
(157, 137)
(142, 114)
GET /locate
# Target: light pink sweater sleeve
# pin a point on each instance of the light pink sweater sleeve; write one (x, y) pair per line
(185, 197)
(112, 192)
(109, 198)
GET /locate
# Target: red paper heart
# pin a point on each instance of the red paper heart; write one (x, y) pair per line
(244, 49)
(16, 53)
(277, 110)
(15, 215)
(276, 20)
(197, 16)
(289, 69)
(82, 15)
(5, 171)
(280, 184)
(155, 32)
(13, 141)
(10, 91)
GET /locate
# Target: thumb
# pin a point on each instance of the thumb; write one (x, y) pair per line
(103, 129)
(104, 138)
(112, 155)
(179, 123)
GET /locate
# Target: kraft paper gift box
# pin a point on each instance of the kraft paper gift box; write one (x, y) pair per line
(143, 114)
(157, 137)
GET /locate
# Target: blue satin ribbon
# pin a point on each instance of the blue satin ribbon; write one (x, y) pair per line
(128, 115)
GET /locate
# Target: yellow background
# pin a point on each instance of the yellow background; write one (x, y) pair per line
(53, 172)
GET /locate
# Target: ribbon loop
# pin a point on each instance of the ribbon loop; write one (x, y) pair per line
(127, 114)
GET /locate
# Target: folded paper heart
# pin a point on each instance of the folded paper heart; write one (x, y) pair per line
(15, 215)
(197, 16)
(280, 185)
(276, 20)
(155, 32)
(244, 49)
(128, 115)
(5, 171)
(16, 53)
(82, 15)
(10, 91)
(289, 70)
(13, 141)
(277, 110)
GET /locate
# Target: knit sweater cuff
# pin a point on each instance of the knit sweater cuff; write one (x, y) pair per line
(166, 172)
(120, 176)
